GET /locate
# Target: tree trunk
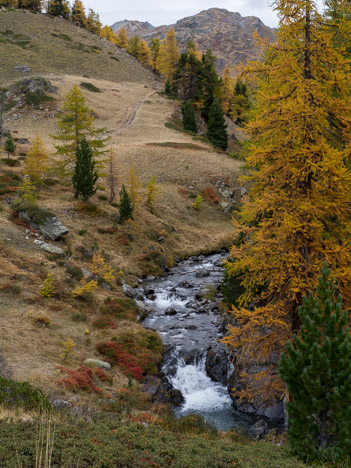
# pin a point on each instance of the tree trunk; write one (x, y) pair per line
(324, 430)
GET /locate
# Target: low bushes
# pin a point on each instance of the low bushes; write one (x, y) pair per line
(83, 378)
(21, 394)
(137, 354)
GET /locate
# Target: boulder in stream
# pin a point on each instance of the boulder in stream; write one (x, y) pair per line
(217, 363)
(170, 311)
(162, 391)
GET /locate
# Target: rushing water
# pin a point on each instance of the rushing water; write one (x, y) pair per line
(187, 332)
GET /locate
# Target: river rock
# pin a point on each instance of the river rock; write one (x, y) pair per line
(202, 272)
(170, 311)
(149, 291)
(128, 291)
(217, 363)
(144, 309)
(162, 391)
(259, 429)
(273, 411)
(98, 363)
(185, 284)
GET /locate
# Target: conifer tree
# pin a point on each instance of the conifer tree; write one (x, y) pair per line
(317, 373)
(122, 38)
(36, 162)
(93, 23)
(134, 187)
(169, 55)
(133, 45)
(28, 192)
(168, 88)
(107, 33)
(112, 177)
(125, 206)
(227, 89)
(85, 175)
(59, 8)
(210, 83)
(10, 145)
(78, 16)
(34, 5)
(76, 123)
(151, 191)
(297, 214)
(155, 48)
(144, 53)
(216, 126)
(189, 121)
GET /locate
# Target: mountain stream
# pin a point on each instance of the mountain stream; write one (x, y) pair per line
(186, 316)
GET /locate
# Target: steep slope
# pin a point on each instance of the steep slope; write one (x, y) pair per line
(134, 113)
(228, 34)
(53, 45)
(133, 27)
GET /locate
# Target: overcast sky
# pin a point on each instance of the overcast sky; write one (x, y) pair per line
(159, 12)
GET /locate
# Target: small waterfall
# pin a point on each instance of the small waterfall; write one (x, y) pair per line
(189, 324)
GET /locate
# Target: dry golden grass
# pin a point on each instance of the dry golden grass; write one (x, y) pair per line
(134, 114)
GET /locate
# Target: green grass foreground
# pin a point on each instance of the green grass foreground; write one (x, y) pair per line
(109, 442)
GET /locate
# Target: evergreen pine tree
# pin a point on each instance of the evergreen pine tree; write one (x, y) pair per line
(59, 8)
(125, 206)
(317, 372)
(10, 145)
(168, 89)
(85, 175)
(189, 121)
(216, 126)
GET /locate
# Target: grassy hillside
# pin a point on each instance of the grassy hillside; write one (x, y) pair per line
(53, 45)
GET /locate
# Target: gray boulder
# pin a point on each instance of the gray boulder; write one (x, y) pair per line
(128, 291)
(217, 363)
(202, 272)
(98, 363)
(170, 311)
(49, 248)
(144, 309)
(259, 429)
(53, 228)
(162, 391)
(22, 69)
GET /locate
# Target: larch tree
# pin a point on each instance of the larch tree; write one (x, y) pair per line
(112, 178)
(169, 55)
(317, 372)
(133, 45)
(93, 23)
(122, 38)
(78, 16)
(144, 53)
(298, 211)
(36, 162)
(155, 48)
(76, 123)
(227, 89)
(134, 187)
(107, 33)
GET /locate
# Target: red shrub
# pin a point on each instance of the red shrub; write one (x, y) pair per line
(210, 196)
(104, 322)
(83, 378)
(115, 354)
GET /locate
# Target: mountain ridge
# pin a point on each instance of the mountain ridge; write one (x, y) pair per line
(228, 34)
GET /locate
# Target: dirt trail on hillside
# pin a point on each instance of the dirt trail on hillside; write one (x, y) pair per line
(132, 114)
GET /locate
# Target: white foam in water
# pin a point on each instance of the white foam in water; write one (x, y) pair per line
(162, 301)
(199, 391)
